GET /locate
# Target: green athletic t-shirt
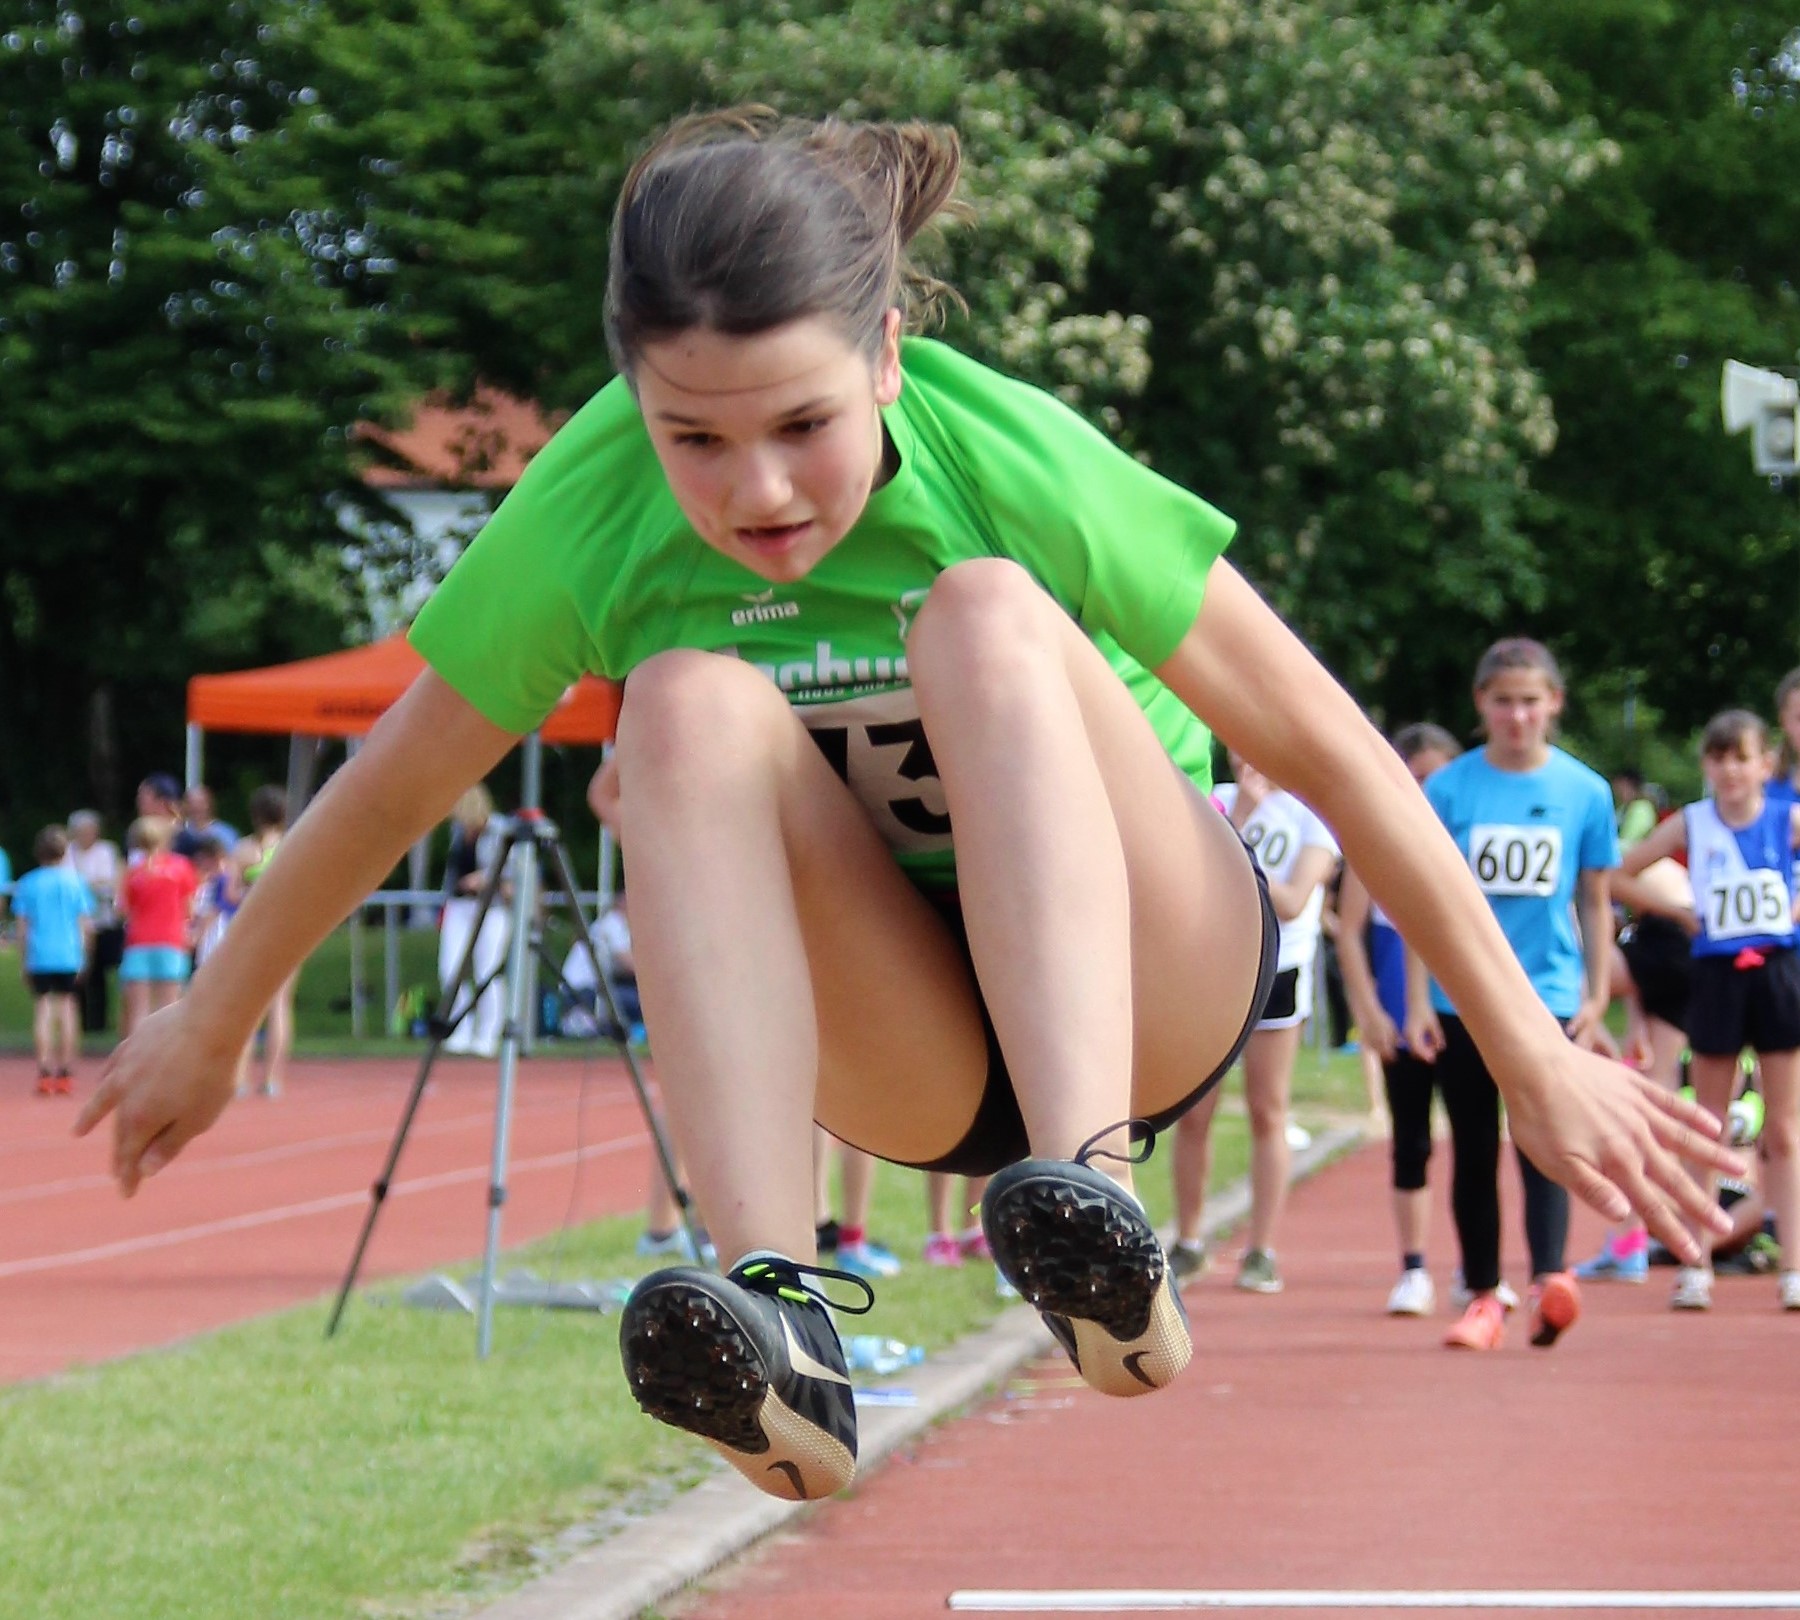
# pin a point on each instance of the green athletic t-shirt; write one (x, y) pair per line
(589, 566)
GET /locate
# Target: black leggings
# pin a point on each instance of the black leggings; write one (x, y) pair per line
(1472, 1102)
(1409, 1084)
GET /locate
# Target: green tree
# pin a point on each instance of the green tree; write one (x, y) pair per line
(232, 229)
(1676, 259)
(1281, 250)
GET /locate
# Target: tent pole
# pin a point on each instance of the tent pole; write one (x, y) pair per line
(193, 764)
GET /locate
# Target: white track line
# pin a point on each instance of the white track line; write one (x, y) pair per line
(272, 1155)
(292, 1212)
(1152, 1602)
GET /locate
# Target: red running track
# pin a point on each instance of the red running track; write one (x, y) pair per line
(262, 1212)
(1317, 1445)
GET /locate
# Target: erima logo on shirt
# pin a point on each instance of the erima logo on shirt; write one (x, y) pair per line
(763, 609)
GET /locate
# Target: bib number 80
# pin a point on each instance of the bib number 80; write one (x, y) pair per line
(1516, 860)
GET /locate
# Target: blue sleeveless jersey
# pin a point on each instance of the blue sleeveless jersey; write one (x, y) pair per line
(1743, 878)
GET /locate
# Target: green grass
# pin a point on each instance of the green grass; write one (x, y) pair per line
(262, 1471)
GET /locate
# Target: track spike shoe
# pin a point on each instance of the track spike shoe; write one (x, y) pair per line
(751, 1363)
(1078, 1247)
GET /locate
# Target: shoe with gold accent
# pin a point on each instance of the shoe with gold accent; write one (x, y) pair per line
(751, 1363)
(1078, 1247)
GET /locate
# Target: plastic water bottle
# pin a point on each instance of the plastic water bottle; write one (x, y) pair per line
(869, 1352)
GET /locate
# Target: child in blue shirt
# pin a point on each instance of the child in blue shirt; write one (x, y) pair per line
(1746, 987)
(54, 912)
(1536, 827)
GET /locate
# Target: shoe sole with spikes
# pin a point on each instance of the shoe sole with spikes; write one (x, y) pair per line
(759, 1379)
(1077, 1247)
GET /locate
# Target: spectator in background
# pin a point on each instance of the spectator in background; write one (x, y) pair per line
(159, 795)
(157, 899)
(1636, 805)
(98, 863)
(475, 832)
(55, 914)
(6, 878)
(198, 822)
(250, 859)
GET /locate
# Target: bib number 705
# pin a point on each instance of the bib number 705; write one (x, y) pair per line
(1750, 903)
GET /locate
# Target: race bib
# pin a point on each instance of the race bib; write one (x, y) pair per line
(1748, 903)
(877, 746)
(1514, 861)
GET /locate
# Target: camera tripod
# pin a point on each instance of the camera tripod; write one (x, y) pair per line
(529, 834)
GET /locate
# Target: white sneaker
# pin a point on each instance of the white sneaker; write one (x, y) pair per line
(1503, 1291)
(1693, 1290)
(1299, 1138)
(1790, 1290)
(1414, 1295)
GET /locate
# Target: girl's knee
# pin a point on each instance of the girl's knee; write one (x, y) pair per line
(680, 702)
(982, 606)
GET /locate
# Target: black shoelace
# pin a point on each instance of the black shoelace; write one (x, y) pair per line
(786, 1279)
(1140, 1133)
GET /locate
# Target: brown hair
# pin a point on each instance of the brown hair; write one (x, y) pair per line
(268, 808)
(50, 845)
(1424, 737)
(1518, 652)
(1730, 730)
(1785, 688)
(741, 221)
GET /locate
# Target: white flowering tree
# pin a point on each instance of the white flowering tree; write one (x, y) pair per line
(1283, 250)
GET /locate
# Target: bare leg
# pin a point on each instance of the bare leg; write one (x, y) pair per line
(1082, 857)
(134, 1004)
(1781, 1149)
(1268, 1074)
(1099, 887)
(857, 1171)
(41, 1038)
(69, 1031)
(853, 994)
(1193, 1166)
(1715, 1080)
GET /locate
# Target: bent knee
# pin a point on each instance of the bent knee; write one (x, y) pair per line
(684, 697)
(979, 607)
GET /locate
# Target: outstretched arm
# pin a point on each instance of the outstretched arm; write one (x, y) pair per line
(173, 1078)
(1584, 1120)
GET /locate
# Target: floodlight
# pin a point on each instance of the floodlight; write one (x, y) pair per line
(1767, 403)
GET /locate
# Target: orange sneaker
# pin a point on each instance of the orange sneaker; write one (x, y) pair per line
(1481, 1327)
(46, 1086)
(1555, 1305)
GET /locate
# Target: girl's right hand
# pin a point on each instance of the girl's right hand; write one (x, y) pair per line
(1380, 1034)
(163, 1086)
(1424, 1035)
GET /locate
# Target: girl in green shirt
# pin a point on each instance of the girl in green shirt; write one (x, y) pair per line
(912, 775)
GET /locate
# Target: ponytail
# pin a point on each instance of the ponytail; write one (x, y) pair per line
(741, 220)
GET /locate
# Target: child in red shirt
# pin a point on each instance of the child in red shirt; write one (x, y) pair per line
(157, 900)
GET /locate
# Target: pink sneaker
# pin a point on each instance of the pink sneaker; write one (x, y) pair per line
(941, 1250)
(974, 1245)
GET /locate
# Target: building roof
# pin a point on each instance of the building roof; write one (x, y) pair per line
(484, 444)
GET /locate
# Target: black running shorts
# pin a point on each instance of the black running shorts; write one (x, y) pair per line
(997, 1136)
(1734, 1007)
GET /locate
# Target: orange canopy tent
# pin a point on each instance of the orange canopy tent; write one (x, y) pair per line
(342, 694)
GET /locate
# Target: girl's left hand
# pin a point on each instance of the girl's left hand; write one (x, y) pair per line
(1616, 1140)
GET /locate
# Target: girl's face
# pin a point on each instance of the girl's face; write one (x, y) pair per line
(1789, 721)
(771, 443)
(1426, 762)
(1518, 707)
(1737, 776)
